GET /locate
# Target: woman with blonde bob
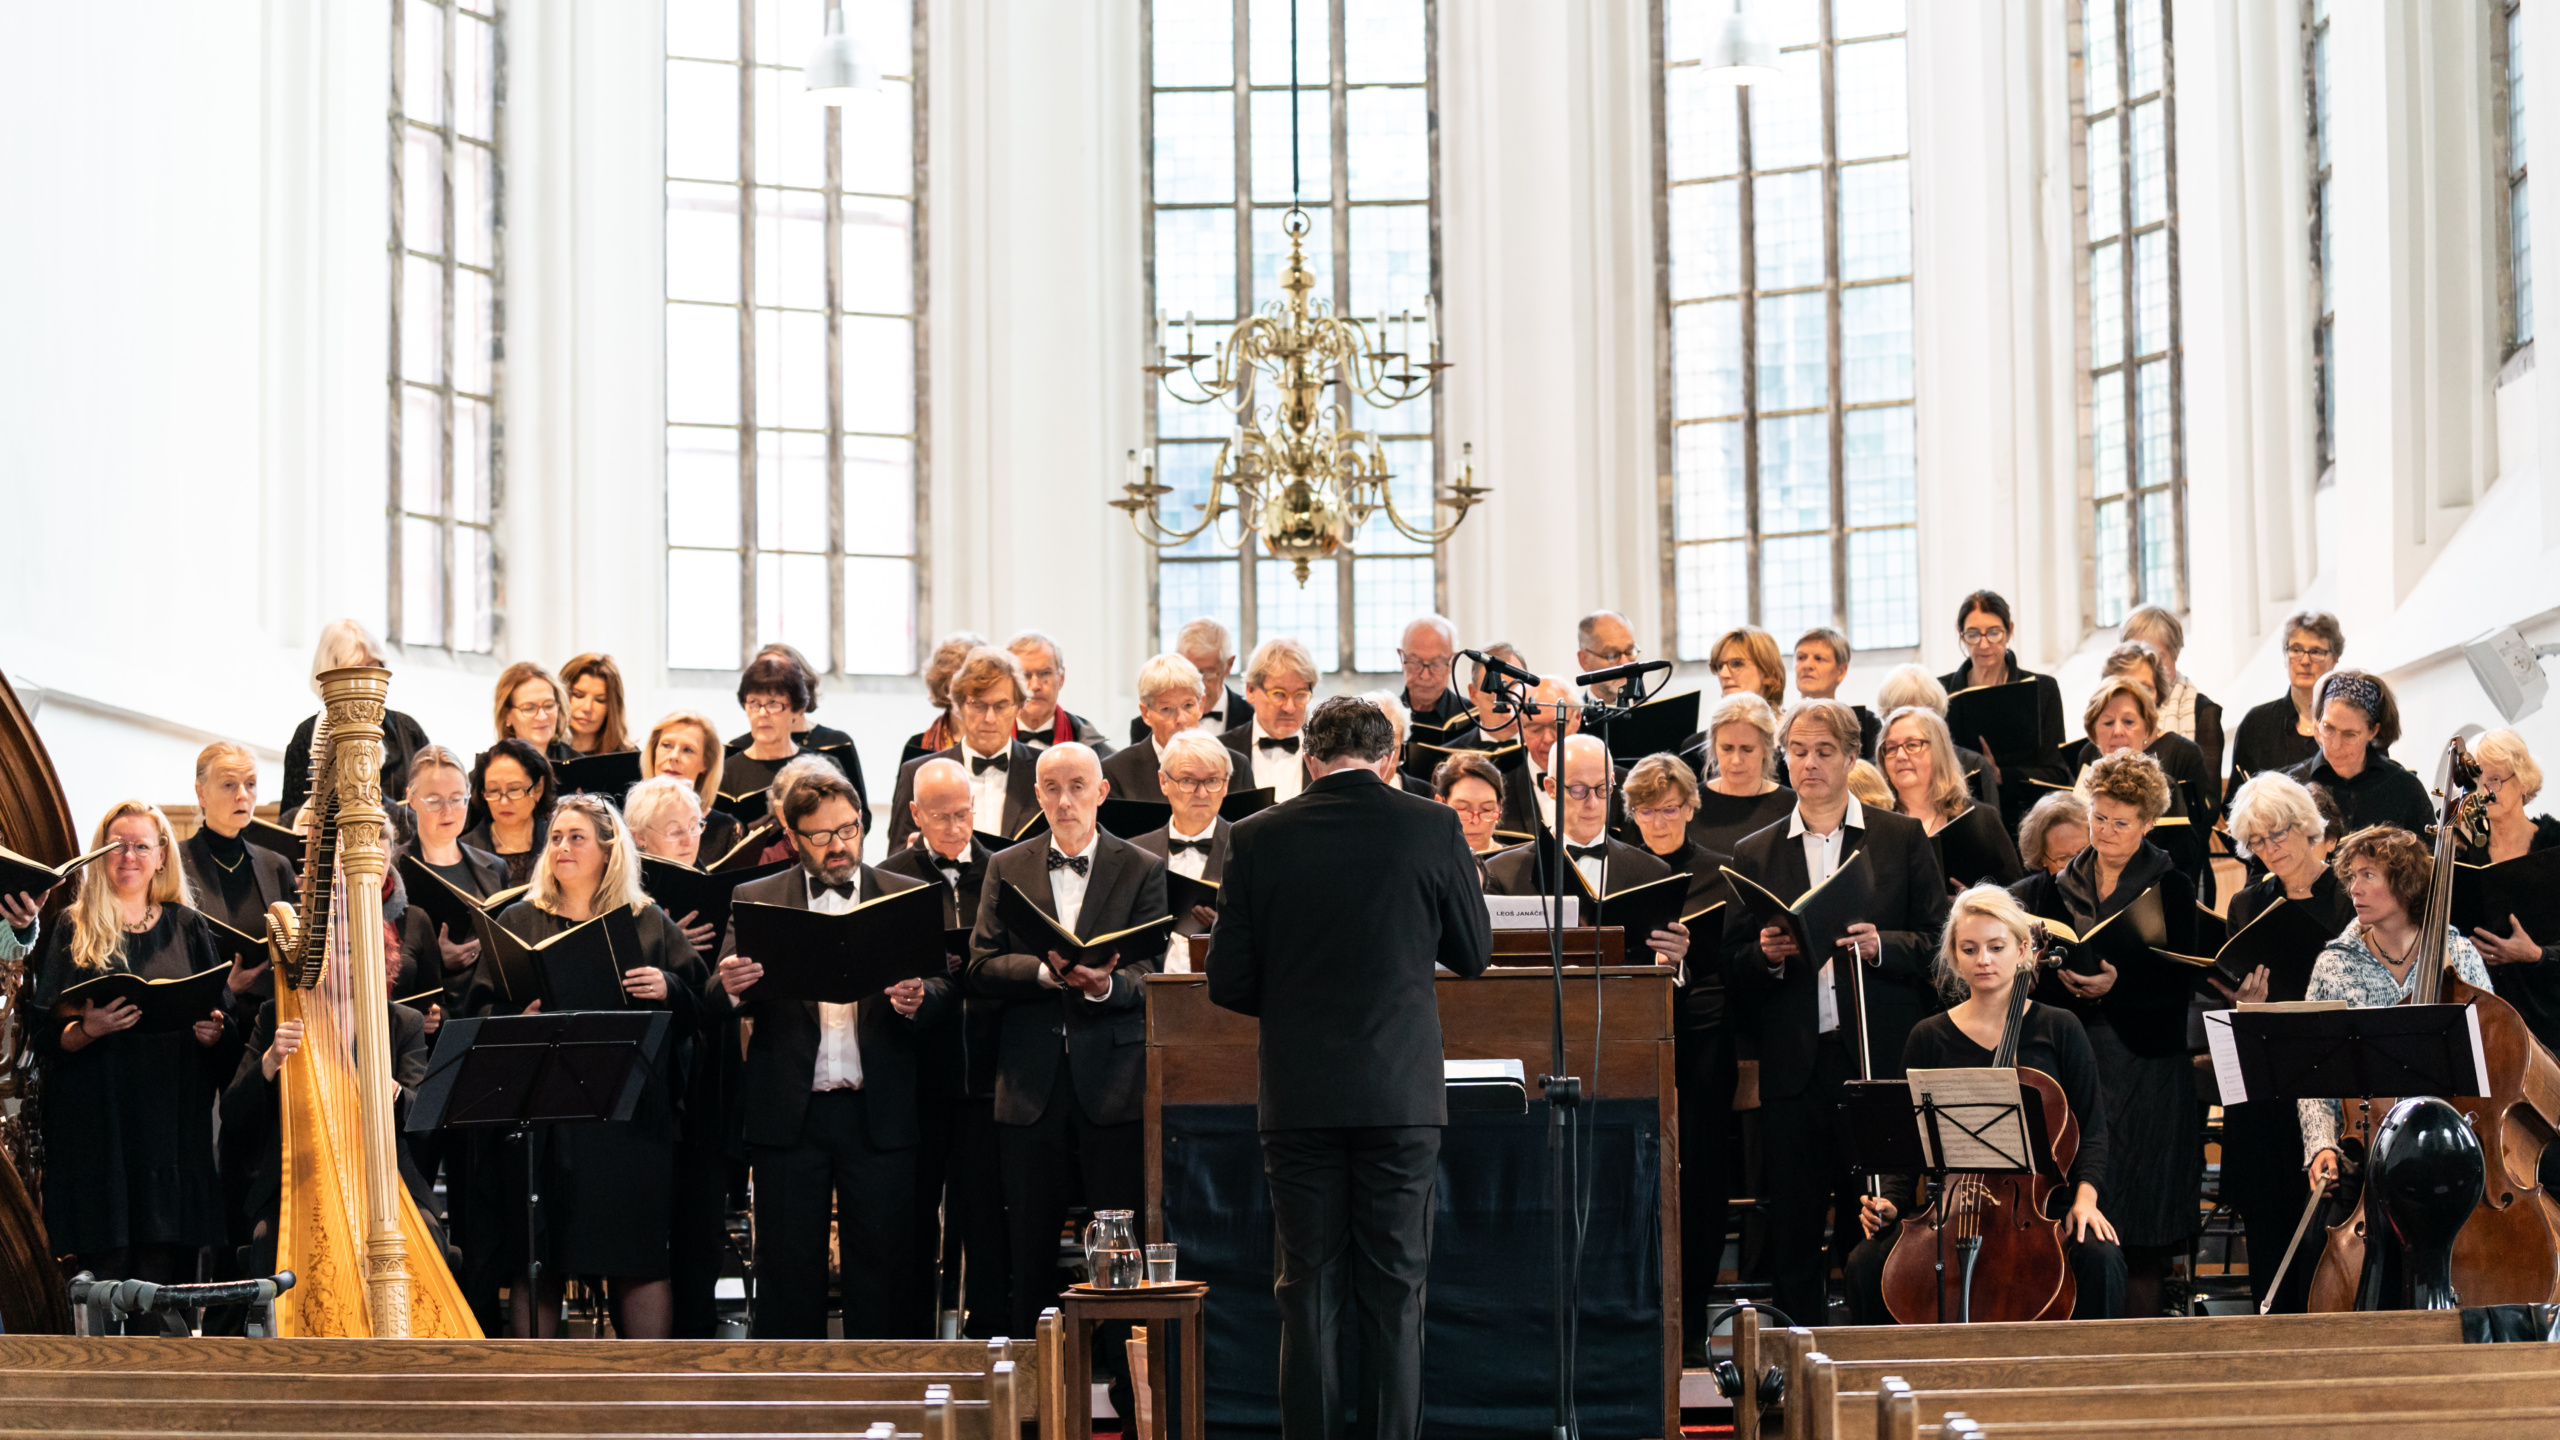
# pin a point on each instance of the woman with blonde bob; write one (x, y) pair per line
(1918, 758)
(607, 1188)
(345, 644)
(683, 745)
(1987, 948)
(130, 1187)
(1741, 752)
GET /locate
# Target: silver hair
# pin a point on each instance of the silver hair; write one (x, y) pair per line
(1042, 639)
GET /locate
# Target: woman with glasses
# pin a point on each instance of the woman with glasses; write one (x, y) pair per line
(130, 1189)
(2527, 965)
(2135, 1016)
(2359, 723)
(596, 723)
(2285, 731)
(440, 795)
(682, 746)
(527, 707)
(1919, 762)
(1990, 635)
(1741, 751)
(666, 823)
(607, 1188)
(345, 643)
(1746, 662)
(1472, 785)
(2276, 823)
(2122, 716)
(511, 783)
(804, 732)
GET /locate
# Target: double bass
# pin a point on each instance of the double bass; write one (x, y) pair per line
(2006, 1258)
(2508, 1252)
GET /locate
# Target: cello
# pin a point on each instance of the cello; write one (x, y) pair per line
(2014, 1262)
(2508, 1252)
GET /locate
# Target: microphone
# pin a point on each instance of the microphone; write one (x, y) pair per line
(1503, 668)
(1628, 671)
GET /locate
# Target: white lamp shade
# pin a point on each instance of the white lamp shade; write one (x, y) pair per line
(837, 67)
(1741, 52)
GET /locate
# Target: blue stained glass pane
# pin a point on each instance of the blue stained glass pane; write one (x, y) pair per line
(1706, 239)
(2106, 180)
(2150, 162)
(2515, 91)
(1308, 614)
(1186, 591)
(2107, 434)
(2520, 236)
(1712, 583)
(2106, 304)
(2151, 409)
(1877, 466)
(1875, 220)
(1787, 229)
(1409, 465)
(2098, 35)
(2111, 578)
(2142, 46)
(1884, 589)
(1195, 148)
(2151, 292)
(1795, 583)
(1382, 42)
(1386, 594)
(1270, 40)
(1795, 474)
(1792, 352)
(1186, 468)
(1389, 153)
(1706, 359)
(1875, 343)
(2159, 550)
(1706, 481)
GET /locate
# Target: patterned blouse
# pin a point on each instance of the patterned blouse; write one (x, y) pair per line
(2348, 970)
(16, 944)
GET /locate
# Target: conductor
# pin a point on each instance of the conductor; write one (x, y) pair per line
(1336, 906)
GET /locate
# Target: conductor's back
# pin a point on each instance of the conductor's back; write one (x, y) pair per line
(1335, 908)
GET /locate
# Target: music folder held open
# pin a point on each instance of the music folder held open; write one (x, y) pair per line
(843, 958)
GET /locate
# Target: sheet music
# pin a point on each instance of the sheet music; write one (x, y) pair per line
(1981, 1121)
(2226, 1057)
(1529, 912)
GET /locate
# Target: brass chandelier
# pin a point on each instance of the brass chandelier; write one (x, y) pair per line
(1292, 469)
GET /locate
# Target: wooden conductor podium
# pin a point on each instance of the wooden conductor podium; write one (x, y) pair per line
(1489, 1352)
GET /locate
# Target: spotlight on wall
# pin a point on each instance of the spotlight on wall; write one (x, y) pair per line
(2510, 668)
(837, 67)
(1741, 52)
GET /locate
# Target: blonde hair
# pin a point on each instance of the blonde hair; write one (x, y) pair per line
(1745, 707)
(504, 704)
(1655, 779)
(2105, 695)
(1946, 774)
(97, 921)
(1904, 686)
(344, 644)
(222, 752)
(618, 888)
(1200, 747)
(1761, 649)
(431, 757)
(1989, 902)
(2155, 623)
(650, 800)
(1868, 784)
(2507, 748)
(706, 786)
(1169, 672)
(1272, 655)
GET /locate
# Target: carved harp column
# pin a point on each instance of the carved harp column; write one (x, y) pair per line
(355, 701)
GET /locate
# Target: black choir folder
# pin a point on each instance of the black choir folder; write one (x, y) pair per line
(2484, 896)
(849, 956)
(447, 904)
(682, 890)
(1655, 726)
(2278, 937)
(22, 876)
(1639, 909)
(578, 969)
(2007, 720)
(237, 947)
(2147, 927)
(1181, 893)
(611, 774)
(1818, 919)
(1133, 945)
(166, 1005)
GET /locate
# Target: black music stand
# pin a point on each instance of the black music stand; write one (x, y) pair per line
(538, 1070)
(1890, 1130)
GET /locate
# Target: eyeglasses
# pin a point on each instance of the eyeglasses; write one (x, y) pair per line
(2308, 652)
(1290, 697)
(989, 707)
(2111, 826)
(138, 849)
(537, 709)
(1736, 663)
(1900, 748)
(1491, 810)
(1976, 637)
(1419, 666)
(2269, 841)
(677, 829)
(441, 803)
(945, 817)
(1579, 793)
(509, 795)
(1614, 656)
(1197, 785)
(841, 835)
(1657, 814)
(768, 707)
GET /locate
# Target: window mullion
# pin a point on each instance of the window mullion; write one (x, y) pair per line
(748, 519)
(1346, 614)
(1248, 577)
(1747, 198)
(444, 378)
(833, 118)
(1836, 424)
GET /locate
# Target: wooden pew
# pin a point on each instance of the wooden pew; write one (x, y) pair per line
(2205, 1406)
(2393, 1425)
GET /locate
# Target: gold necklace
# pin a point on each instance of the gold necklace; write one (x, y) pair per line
(150, 918)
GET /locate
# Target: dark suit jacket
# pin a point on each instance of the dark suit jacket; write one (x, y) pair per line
(1159, 843)
(1910, 909)
(1520, 799)
(422, 963)
(270, 875)
(1105, 1039)
(1231, 711)
(782, 1053)
(1519, 871)
(963, 1055)
(1240, 740)
(1084, 731)
(1337, 907)
(1132, 772)
(1021, 790)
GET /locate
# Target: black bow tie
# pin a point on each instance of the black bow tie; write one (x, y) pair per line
(1279, 742)
(1035, 741)
(1588, 852)
(981, 764)
(843, 891)
(1173, 847)
(951, 868)
(1080, 864)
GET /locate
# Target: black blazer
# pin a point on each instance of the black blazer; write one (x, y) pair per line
(1021, 790)
(1338, 906)
(270, 880)
(1132, 772)
(1518, 871)
(1082, 731)
(782, 1053)
(958, 1057)
(1910, 909)
(422, 965)
(813, 738)
(1231, 710)
(1240, 740)
(1520, 799)
(1105, 1040)
(1159, 843)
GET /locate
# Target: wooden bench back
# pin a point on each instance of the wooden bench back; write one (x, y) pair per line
(2504, 1424)
(1902, 1413)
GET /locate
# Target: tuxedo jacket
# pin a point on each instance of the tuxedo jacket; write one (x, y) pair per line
(1520, 799)
(957, 1058)
(782, 1052)
(1909, 910)
(1520, 871)
(1231, 711)
(1082, 731)
(1240, 740)
(1105, 1040)
(1159, 843)
(1337, 906)
(1132, 772)
(270, 875)
(1021, 790)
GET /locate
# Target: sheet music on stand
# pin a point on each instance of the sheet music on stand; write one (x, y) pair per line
(1981, 1120)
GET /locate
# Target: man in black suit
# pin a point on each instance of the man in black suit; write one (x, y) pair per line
(986, 695)
(1279, 683)
(1169, 691)
(1071, 1058)
(1605, 863)
(957, 1174)
(831, 1125)
(1194, 842)
(1044, 722)
(1205, 643)
(1336, 908)
(1805, 1010)
(1528, 799)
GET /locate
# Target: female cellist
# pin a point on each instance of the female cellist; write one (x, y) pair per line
(1985, 956)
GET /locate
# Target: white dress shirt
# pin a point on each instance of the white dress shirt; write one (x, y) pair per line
(1538, 788)
(1191, 864)
(1594, 868)
(1066, 890)
(1281, 771)
(839, 1052)
(1822, 855)
(986, 791)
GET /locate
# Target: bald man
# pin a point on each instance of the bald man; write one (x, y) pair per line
(1429, 654)
(1071, 1053)
(1528, 802)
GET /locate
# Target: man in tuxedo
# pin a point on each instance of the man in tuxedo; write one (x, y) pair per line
(1043, 721)
(831, 1126)
(1604, 862)
(1429, 654)
(1336, 909)
(960, 1191)
(1822, 662)
(1807, 1011)
(1279, 684)
(1169, 691)
(1071, 1059)
(1194, 842)
(986, 693)
(1528, 800)
(1205, 643)
(1602, 639)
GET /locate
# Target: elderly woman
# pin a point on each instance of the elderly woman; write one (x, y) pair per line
(2386, 871)
(440, 796)
(1471, 785)
(1905, 686)
(682, 746)
(1920, 767)
(2277, 823)
(2121, 716)
(666, 824)
(597, 725)
(2285, 731)
(805, 733)
(1746, 662)
(2136, 1016)
(1170, 693)
(2359, 723)
(948, 653)
(2527, 965)
(512, 783)
(346, 643)
(2184, 710)
(232, 880)
(130, 1188)
(774, 692)
(2054, 831)
(607, 1187)
(1742, 747)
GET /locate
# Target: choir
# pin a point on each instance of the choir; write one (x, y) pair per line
(928, 1143)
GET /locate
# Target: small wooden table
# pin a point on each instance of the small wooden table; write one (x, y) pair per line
(1081, 1312)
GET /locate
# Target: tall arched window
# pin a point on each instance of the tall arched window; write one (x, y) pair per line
(2324, 358)
(448, 108)
(1217, 109)
(793, 281)
(2509, 40)
(1788, 417)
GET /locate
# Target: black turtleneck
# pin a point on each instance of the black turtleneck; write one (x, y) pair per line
(231, 868)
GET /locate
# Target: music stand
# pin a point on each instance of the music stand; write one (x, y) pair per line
(1983, 1126)
(538, 1070)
